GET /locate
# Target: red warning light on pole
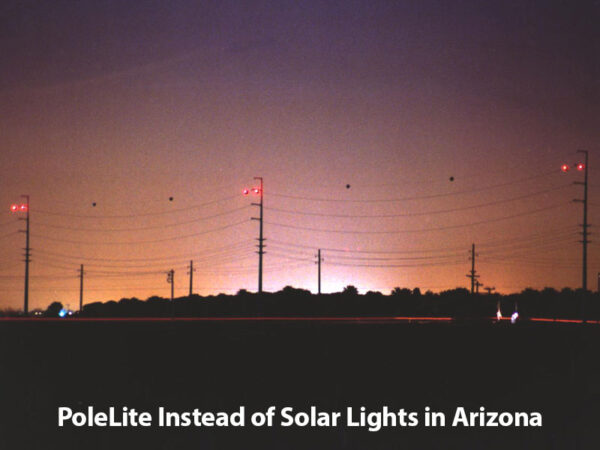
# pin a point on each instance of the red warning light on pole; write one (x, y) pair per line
(564, 168)
(23, 207)
(580, 166)
(255, 191)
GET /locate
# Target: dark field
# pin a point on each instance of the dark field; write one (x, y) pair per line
(218, 366)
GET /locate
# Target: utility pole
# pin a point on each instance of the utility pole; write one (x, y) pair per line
(27, 257)
(171, 280)
(477, 285)
(261, 240)
(19, 208)
(319, 260)
(473, 274)
(489, 289)
(585, 224)
(191, 272)
(81, 289)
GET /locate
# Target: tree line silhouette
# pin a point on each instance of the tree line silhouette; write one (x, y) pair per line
(457, 303)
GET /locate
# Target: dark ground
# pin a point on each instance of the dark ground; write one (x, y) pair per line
(216, 366)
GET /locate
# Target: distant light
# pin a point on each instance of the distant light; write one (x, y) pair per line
(514, 317)
(499, 314)
(580, 166)
(70, 313)
(564, 167)
(23, 207)
(62, 313)
(245, 192)
(256, 190)
(14, 208)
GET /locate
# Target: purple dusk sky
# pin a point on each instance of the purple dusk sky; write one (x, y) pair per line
(125, 104)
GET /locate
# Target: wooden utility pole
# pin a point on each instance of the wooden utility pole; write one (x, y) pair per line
(171, 280)
(81, 289)
(191, 276)
(473, 274)
(319, 260)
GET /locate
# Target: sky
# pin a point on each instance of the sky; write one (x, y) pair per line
(392, 135)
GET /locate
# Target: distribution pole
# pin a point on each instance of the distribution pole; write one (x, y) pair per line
(81, 289)
(171, 280)
(191, 276)
(261, 240)
(27, 258)
(319, 260)
(473, 274)
(585, 224)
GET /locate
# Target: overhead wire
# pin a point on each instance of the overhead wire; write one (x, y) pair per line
(207, 251)
(416, 230)
(153, 227)
(492, 243)
(416, 214)
(149, 241)
(417, 197)
(128, 216)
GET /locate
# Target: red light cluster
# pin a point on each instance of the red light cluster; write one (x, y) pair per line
(579, 166)
(23, 207)
(253, 190)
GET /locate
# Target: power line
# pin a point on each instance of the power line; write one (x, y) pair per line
(141, 242)
(418, 197)
(417, 230)
(225, 258)
(14, 233)
(378, 258)
(10, 222)
(443, 263)
(442, 211)
(492, 243)
(537, 245)
(206, 252)
(432, 181)
(154, 227)
(128, 216)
